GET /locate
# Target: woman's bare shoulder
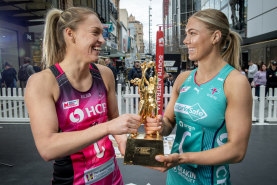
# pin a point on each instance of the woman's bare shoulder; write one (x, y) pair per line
(237, 84)
(43, 82)
(181, 78)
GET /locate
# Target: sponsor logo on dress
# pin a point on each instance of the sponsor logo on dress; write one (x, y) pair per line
(70, 104)
(214, 90)
(86, 95)
(96, 174)
(196, 89)
(78, 114)
(221, 175)
(220, 139)
(195, 112)
(220, 79)
(190, 128)
(184, 89)
(213, 93)
(188, 175)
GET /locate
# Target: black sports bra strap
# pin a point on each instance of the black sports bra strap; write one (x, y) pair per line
(95, 71)
(54, 70)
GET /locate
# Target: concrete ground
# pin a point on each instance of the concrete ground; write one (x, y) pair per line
(18, 149)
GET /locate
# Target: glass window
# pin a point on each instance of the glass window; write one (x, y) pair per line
(212, 4)
(225, 11)
(8, 47)
(217, 4)
(224, 3)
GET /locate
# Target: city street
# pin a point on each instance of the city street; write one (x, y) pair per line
(18, 149)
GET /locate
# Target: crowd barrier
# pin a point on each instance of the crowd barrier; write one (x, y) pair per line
(13, 108)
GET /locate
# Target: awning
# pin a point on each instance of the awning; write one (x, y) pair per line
(116, 54)
(24, 12)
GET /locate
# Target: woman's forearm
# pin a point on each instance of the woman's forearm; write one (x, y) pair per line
(167, 127)
(225, 154)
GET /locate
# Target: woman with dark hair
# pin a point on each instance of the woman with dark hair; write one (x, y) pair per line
(211, 106)
(72, 104)
(271, 76)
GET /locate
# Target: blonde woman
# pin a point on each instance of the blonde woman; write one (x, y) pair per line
(101, 61)
(211, 106)
(72, 104)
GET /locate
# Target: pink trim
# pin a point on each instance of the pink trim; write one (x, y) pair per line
(59, 69)
(204, 82)
(90, 66)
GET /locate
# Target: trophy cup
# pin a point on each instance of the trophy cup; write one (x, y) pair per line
(141, 148)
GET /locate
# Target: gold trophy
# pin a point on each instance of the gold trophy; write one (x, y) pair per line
(142, 148)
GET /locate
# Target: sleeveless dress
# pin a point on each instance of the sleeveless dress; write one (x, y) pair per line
(200, 120)
(95, 164)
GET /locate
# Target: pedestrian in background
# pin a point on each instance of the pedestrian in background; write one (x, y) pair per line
(171, 79)
(251, 71)
(135, 72)
(72, 104)
(211, 106)
(25, 71)
(271, 76)
(9, 76)
(109, 64)
(259, 79)
(101, 61)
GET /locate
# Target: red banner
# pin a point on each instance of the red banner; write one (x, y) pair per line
(160, 69)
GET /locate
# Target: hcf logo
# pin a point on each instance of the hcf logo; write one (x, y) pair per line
(77, 116)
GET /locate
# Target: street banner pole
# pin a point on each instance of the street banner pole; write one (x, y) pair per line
(160, 69)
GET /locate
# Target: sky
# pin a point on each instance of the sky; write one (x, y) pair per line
(140, 9)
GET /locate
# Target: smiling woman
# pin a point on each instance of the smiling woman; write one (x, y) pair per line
(72, 104)
(211, 106)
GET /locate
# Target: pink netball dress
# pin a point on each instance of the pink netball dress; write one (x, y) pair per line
(76, 111)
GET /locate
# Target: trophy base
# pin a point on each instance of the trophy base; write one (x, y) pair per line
(141, 149)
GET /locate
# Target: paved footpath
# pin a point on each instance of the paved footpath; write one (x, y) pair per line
(18, 149)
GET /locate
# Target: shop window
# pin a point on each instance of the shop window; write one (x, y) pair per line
(8, 47)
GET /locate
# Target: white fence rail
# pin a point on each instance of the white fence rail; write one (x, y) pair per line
(264, 109)
(13, 108)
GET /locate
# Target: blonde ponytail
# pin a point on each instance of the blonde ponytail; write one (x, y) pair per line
(50, 53)
(233, 52)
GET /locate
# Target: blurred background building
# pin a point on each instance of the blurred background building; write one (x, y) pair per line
(254, 20)
(22, 23)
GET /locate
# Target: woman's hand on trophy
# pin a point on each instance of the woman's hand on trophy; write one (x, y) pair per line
(125, 124)
(169, 161)
(153, 125)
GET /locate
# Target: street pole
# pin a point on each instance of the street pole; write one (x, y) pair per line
(150, 15)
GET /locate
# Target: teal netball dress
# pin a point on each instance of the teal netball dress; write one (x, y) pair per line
(200, 120)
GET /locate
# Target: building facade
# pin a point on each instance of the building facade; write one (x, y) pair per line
(254, 20)
(175, 16)
(22, 23)
(139, 32)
